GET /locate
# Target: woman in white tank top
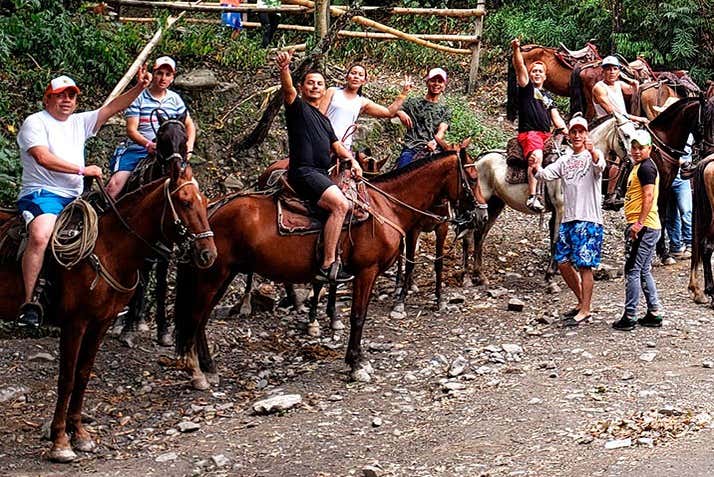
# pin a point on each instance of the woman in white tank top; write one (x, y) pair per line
(343, 105)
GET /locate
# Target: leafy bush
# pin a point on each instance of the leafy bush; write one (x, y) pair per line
(9, 171)
(465, 123)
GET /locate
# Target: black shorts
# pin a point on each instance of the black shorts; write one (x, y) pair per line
(309, 183)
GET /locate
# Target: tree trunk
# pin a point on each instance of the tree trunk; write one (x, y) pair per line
(322, 18)
(616, 10)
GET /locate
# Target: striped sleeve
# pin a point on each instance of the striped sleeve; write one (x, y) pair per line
(135, 108)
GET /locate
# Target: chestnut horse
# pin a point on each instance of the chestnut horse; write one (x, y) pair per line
(92, 293)
(248, 241)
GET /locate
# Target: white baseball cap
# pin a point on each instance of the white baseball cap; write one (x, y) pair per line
(642, 138)
(60, 84)
(610, 61)
(437, 72)
(578, 121)
(165, 61)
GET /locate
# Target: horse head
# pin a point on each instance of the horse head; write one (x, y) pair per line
(707, 123)
(613, 135)
(471, 205)
(185, 202)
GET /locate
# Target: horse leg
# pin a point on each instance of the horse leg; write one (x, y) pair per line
(163, 333)
(81, 439)
(205, 360)
(70, 342)
(361, 292)
(708, 280)
(552, 269)
(290, 299)
(313, 327)
(244, 307)
(495, 207)
(132, 317)
(441, 231)
(410, 243)
(335, 321)
(696, 260)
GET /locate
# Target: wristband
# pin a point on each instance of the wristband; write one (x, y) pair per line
(639, 223)
(80, 172)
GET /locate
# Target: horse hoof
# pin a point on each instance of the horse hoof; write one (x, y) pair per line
(165, 340)
(213, 378)
(245, 310)
(700, 299)
(142, 326)
(361, 376)
(127, 339)
(337, 325)
(467, 283)
(553, 288)
(62, 455)
(200, 384)
(313, 329)
(399, 307)
(84, 445)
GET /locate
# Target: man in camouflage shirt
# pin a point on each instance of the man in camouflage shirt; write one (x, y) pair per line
(430, 119)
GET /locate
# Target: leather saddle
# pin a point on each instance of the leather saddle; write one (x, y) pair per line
(300, 217)
(571, 58)
(517, 165)
(13, 238)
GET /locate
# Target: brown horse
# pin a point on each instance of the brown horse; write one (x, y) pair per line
(703, 191)
(92, 293)
(248, 241)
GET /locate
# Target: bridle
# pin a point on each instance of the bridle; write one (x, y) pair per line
(186, 237)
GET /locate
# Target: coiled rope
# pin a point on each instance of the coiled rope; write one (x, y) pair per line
(70, 244)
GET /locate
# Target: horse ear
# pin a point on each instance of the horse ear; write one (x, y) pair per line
(182, 117)
(465, 143)
(161, 116)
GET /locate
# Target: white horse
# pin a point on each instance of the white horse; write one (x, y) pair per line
(609, 136)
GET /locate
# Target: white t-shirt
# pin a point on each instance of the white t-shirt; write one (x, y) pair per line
(343, 113)
(65, 139)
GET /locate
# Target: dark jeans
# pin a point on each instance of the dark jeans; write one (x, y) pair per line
(270, 23)
(638, 270)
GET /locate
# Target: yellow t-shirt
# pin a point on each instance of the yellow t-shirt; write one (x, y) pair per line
(643, 173)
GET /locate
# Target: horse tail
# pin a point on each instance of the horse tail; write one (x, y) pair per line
(702, 215)
(186, 327)
(577, 95)
(512, 96)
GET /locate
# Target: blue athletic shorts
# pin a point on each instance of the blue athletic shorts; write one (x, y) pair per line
(41, 202)
(126, 158)
(580, 243)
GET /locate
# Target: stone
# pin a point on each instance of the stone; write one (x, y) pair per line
(458, 366)
(645, 441)
(649, 356)
(512, 348)
(708, 364)
(263, 298)
(397, 315)
(496, 292)
(453, 386)
(514, 304)
(372, 471)
(618, 443)
(457, 298)
(277, 403)
(41, 357)
(376, 422)
(233, 182)
(200, 78)
(188, 426)
(607, 272)
(220, 460)
(169, 456)
(12, 392)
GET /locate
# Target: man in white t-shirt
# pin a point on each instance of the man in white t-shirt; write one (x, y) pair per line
(52, 154)
(579, 245)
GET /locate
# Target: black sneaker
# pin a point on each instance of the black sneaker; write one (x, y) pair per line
(650, 320)
(625, 324)
(30, 315)
(323, 276)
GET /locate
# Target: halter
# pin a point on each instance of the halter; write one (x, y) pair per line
(187, 238)
(182, 160)
(672, 154)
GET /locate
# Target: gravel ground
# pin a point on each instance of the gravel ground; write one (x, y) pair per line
(533, 399)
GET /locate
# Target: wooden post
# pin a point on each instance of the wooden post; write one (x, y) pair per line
(322, 18)
(476, 49)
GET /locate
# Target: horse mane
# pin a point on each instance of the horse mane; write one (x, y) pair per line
(396, 173)
(669, 114)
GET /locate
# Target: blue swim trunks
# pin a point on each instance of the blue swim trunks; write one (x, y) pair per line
(126, 158)
(580, 243)
(41, 202)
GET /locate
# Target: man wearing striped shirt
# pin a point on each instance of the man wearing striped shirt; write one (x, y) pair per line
(141, 125)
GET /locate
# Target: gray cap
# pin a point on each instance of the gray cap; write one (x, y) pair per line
(610, 61)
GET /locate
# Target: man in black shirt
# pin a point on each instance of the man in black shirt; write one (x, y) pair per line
(311, 140)
(536, 111)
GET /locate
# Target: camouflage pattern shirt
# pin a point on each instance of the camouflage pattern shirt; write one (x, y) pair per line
(426, 117)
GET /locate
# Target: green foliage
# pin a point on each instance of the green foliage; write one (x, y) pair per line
(9, 171)
(465, 123)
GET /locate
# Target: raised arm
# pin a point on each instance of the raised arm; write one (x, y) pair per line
(518, 63)
(143, 79)
(327, 99)
(286, 80)
(190, 133)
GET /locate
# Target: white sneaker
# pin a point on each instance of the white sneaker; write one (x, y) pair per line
(534, 204)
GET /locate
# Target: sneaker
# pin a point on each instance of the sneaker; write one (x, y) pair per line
(625, 324)
(682, 253)
(30, 315)
(651, 320)
(323, 275)
(668, 260)
(535, 204)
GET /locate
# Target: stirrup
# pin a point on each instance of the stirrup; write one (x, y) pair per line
(30, 315)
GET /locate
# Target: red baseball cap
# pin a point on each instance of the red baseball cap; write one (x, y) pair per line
(60, 84)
